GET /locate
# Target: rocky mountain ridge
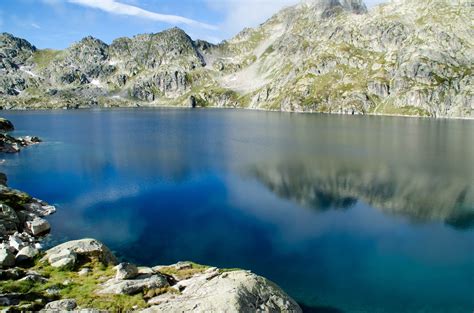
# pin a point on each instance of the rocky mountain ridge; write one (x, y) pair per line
(333, 56)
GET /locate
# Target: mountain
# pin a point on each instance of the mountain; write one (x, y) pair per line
(404, 58)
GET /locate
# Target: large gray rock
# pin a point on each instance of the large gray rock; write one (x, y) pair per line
(126, 271)
(134, 286)
(61, 305)
(7, 259)
(88, 248)
(38, 226)
(8, 218)
(64, 258)
(238, 291)
(26, 254)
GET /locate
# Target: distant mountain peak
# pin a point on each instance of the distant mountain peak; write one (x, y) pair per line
(327, 6)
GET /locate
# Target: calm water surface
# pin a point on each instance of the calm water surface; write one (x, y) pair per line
(347, 214)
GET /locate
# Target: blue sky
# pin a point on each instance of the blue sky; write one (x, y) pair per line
(58, 23)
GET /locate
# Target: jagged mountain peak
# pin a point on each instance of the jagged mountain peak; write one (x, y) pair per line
(354, 6)
(403, 57)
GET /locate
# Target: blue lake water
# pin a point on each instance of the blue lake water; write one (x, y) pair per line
(347, 214)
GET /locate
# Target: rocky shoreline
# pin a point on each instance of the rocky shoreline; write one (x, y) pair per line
(10, 144)
(85, 276)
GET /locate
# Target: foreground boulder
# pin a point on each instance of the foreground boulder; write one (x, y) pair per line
(61, 305)
(213, 291)
(85, 248)
(134, 286)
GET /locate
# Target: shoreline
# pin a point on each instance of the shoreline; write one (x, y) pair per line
(438, 118)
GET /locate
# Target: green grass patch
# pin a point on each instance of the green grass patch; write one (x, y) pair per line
(186, 272)
(43, 58)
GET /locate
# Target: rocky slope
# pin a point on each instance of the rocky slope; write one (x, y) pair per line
(404, 57)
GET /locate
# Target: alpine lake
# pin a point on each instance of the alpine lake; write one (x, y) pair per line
(345, 213)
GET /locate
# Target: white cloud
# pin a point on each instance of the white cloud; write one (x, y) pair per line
(34, 25)
(250, 13)
(114, 7)
(246, 13)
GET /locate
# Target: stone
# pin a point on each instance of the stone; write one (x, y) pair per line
(53, 291)
(26, 254)
(84, 271)
(16, 242)
(145, 270)
(64, 258)
(12, 274)
(8, 218)
(238, 291)
(62, 305)
(6, 125)
(7, 259)
(126, 271)
(88, 248)
(39, 208)
(34, 277)
(134, 286)
(38, 226)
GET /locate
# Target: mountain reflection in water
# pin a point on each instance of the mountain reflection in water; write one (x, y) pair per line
(329, 184)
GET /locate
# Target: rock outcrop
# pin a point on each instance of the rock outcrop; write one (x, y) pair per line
(10, 144)
(85, 248)
(181, 287)
(333, 56)
(213, 291)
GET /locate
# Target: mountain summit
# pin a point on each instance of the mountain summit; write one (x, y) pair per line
(335, 56)
(330, 6)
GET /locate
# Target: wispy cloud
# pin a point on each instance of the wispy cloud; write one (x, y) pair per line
(246, 13)
(114, 7)
(34, 25)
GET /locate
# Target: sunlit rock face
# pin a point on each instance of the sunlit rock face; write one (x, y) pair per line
(331, 185)
(401, 57)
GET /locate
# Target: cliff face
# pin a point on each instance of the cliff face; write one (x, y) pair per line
(403, 57)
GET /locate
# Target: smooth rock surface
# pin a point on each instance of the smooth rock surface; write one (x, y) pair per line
(134, 286)
(64, 258)
(62, 305)
(38, 226)
(89, 248)
(27, 253)
(126, 271)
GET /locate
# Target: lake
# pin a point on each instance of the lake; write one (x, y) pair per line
(345, 213)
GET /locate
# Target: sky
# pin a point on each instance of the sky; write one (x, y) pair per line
(58, 23)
